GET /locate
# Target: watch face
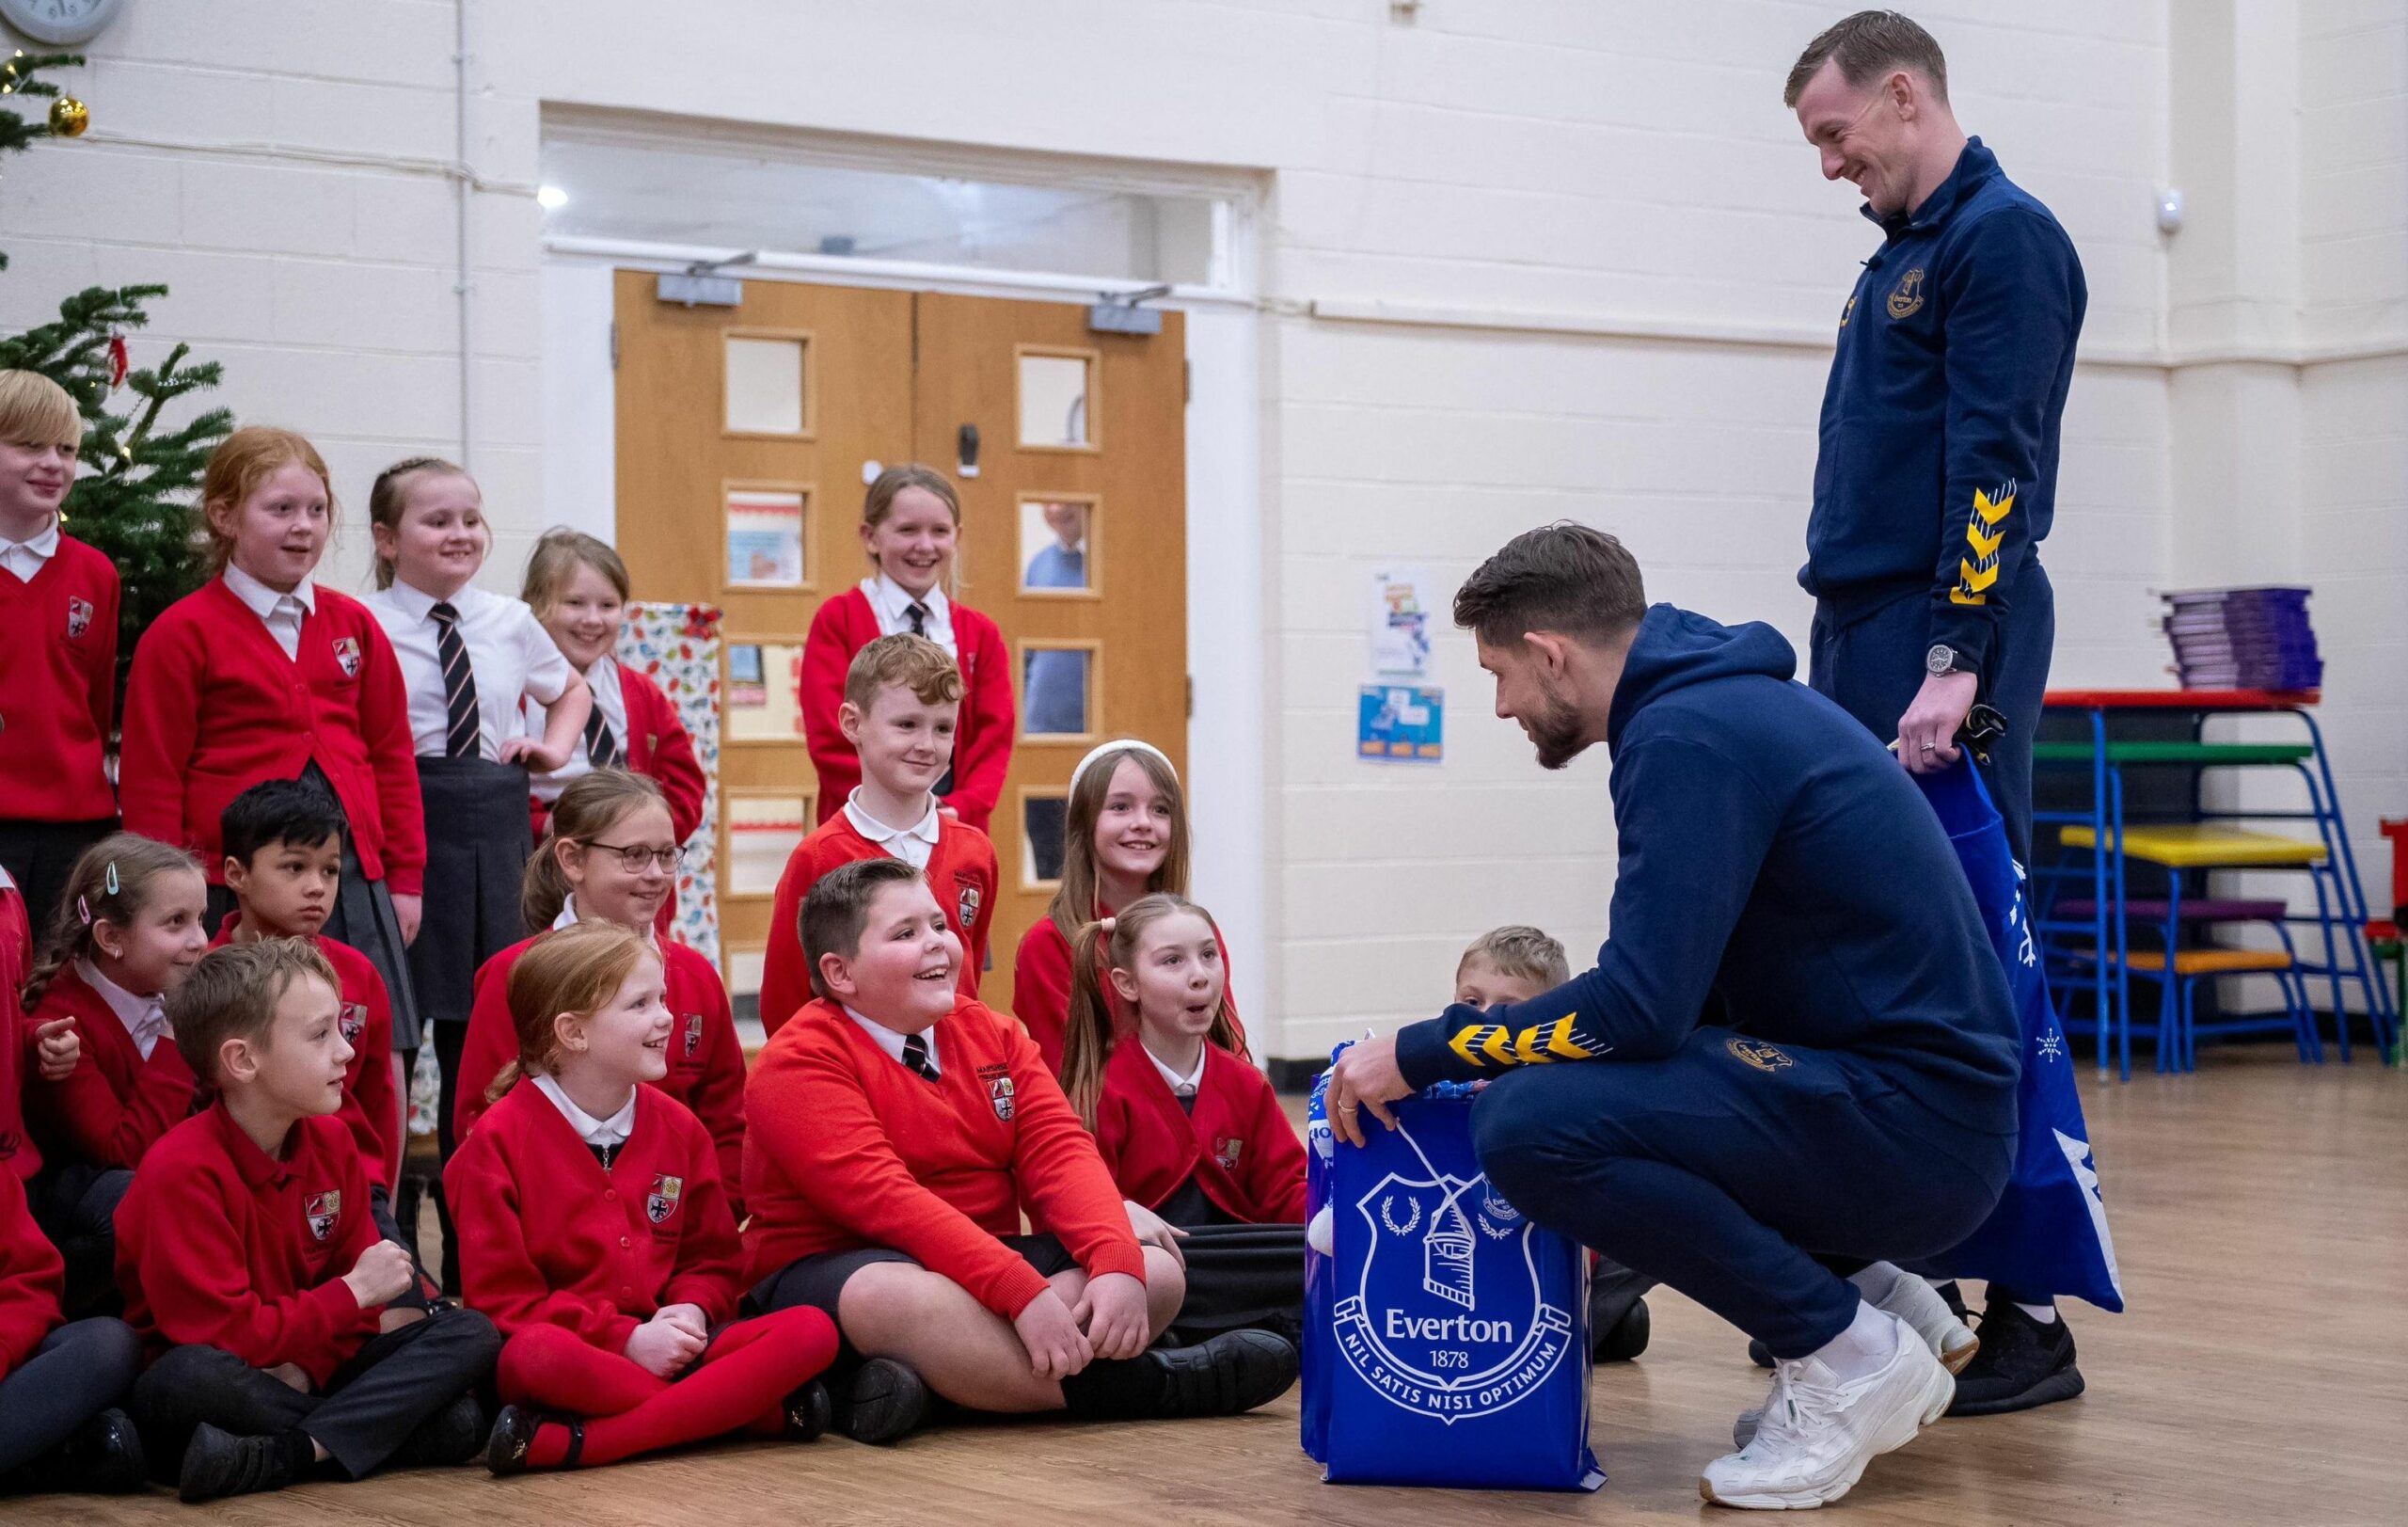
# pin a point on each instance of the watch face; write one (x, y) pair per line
(1939, 660)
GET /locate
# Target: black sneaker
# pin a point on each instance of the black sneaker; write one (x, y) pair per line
(102, 1457)
(1232, 1373)
(218, 1464)
(885, 1400)
(2022, 1363)
(808, 1412)
(1618, 1324)
(1625, 1338)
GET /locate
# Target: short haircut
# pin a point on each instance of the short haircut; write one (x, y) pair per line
(1522, 951)
(913, 661)
(1563, 577)
(297, 811)
(34, 410)
(555, 561)
(1869, 45)
(837, 910)
(232, 995)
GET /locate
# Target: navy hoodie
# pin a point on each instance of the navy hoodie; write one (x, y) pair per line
(1937, 465)
(1778, 869)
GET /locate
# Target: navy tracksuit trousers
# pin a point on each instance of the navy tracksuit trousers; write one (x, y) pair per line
(1872, 663)
(1725, 1168)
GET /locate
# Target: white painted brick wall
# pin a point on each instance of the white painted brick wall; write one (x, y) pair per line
(1557, 157)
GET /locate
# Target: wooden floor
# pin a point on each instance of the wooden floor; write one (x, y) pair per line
(2260, 1211)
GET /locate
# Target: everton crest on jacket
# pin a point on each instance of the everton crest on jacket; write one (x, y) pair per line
(1237, 1144)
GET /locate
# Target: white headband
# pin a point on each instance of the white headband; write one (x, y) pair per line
(1115, 747)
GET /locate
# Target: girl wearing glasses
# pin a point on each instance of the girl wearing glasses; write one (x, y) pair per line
(609, 854)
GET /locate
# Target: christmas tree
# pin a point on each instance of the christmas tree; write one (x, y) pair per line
(134, 498)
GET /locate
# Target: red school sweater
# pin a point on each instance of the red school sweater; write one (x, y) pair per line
(1238, 1144)
(549, 1238)
(850, 1150)
(961, 871)
(19, 1057)
(58, 686)
(706, 1056)
(115, 1105)
(982, 739)
(32, 1277)
(1041, 991)
(219, 1244)
(213, 707)
(369, 1109)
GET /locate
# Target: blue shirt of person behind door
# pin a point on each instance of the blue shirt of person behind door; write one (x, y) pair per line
(1937, 466)
(1056, 680)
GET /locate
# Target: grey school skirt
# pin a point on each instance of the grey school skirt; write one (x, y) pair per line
(478, 842)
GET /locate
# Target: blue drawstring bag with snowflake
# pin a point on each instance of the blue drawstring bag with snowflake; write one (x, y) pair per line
(1446, 1336)
(2048, 1236)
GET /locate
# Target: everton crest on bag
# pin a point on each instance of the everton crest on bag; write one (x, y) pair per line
(1446, 1336)
(2048, 1233)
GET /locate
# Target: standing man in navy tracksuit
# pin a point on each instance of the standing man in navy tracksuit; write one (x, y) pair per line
(1797, 1044)
(1937, 477)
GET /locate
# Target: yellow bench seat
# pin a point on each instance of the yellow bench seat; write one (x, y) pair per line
(2203, 846)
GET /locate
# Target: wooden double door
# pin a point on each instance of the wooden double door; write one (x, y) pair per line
(745, 438)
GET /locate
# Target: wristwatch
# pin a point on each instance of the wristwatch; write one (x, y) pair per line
(1943, 660)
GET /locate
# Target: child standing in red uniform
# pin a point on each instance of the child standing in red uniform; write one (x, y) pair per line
(263, 674)
(128, 934)
(599, 1237)
(899, 1130)
(1125, 835)
(909, 522)
(900, 700)
(58, 603)
(1188, 1129)
(609, 855)
(253, 1272)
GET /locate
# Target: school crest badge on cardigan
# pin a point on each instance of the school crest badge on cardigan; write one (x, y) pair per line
(662, 1200)
(347, 656)
(79, 618)
(1225, 1152)
(324, 1210)
(966, 903)
(999, 1090)
(693, 1034)
(355, 1018)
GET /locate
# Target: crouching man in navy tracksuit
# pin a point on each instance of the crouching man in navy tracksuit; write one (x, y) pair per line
(1797, 1043)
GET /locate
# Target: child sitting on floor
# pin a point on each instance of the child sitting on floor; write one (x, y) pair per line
(597, 1236)
(897, 1129)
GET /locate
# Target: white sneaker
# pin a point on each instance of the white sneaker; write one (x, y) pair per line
(1819, 1431)
(1912, 1300)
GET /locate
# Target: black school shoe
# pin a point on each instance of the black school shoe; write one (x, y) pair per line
(1232, 1373)
(450, 1437)
(884, 1402)
(218, 1463)
(2022, 1363)
(1627, 1338)
(102, 1457)
(809, 1410)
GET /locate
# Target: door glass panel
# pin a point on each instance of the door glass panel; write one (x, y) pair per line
(1055, 685)
(764, 539)
(761, 703)
(1053, 538)
(1053, 400)
(764, 385)
(762, 830)
(1042, 819)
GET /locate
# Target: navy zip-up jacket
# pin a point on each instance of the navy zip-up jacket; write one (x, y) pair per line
(1780, 871)
(1938, 467)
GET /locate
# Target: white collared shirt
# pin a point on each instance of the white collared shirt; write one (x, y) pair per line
(891, 1042)
(282, 612)
(145, 1017)
(510, 653)
(611, 700)
(29, 556)
(605, 1133)
(892, 606)
(914, 845)
(568, 918)
(1182, 1087)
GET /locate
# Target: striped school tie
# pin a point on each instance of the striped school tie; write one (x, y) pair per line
(601, 748)
(918, 615)
(915, 1057)
(462, 737)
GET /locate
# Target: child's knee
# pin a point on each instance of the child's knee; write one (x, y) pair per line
(1165, 1286)
(888, 1297)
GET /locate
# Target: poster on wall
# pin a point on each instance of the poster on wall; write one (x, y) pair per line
(1398, 621)
(1401, 723)
(764, 540)
(761, 699)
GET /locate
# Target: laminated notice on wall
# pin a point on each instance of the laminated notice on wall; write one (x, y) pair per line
(1401, 723)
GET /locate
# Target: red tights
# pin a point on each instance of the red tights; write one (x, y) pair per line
(740, 1383)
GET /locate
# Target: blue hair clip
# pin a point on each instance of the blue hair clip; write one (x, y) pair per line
(111, 881)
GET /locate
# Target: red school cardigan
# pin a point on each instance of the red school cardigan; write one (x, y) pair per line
(982, 741)
(58, 686)
(658, 747)
(213, 707)
(1238, 1144)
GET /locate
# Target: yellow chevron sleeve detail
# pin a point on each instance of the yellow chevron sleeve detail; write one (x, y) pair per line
(1559, 1040)
(1469, 1043)
(1497, 1044)
(1985, 547)
(1975, 580)
(1994, 510)
(1958, 595)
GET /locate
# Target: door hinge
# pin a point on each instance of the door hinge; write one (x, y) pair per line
(1191, 697)
(614, 344)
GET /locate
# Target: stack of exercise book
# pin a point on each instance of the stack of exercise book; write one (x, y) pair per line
(2242, 639)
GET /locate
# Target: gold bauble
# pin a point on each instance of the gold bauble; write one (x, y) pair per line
(69, 117)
